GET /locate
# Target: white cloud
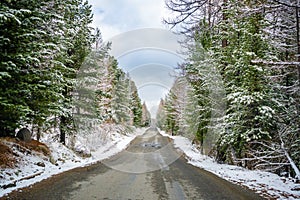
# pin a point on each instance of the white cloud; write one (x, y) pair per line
(115, 17)
(152, 94)
(133, 26)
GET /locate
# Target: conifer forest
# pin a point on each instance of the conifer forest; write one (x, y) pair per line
(238, 92)
(236, 95)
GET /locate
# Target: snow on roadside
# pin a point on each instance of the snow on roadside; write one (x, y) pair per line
(35, 167)
(116, 145)
(266, 184)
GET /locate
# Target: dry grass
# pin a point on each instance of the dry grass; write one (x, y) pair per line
(8, 158)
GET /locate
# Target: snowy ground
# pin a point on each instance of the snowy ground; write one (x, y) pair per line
(35, 167)
(268, 184)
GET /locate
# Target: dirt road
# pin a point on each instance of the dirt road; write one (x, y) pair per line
(149, 169)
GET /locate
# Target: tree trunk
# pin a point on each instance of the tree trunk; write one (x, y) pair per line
(298, 38)
(224, 41)
(38, 134)
(291, 161)
(63, 127)
(298, 66)
(201, 138)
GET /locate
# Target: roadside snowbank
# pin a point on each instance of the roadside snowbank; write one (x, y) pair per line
(35, 167)
(266, 184)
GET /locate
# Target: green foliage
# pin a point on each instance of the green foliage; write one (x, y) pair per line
(26, 90)
(249, 106)
(170, 115)
(136, 106)
(121, 99)
(161, 115)
(249, 45)
(146, 116)
(49, 75)
(42, 46)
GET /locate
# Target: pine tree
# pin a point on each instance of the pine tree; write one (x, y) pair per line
(249, 43)
(284, 84)
(108, 67)
(146, 116)
(77, 33)
(175, 103)
(135, 106)
(171, 125)
(161, 115)
(121, 99)
(28, 57)
(38, 62)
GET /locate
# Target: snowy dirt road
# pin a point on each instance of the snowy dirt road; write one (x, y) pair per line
(150, 168)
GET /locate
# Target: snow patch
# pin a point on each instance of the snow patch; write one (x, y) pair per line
(35, 167)
(266, 184)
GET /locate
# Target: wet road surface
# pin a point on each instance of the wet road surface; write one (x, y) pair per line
(150, 168)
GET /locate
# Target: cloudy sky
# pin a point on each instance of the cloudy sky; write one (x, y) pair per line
(143, 45)
(118, 16)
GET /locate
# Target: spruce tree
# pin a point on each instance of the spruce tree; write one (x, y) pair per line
(161, 115)
(135, 106)
(146, 116)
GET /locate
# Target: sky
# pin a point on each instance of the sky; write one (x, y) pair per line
(142, 44)
(117, 16)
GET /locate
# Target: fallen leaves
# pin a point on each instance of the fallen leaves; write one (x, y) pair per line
(9, 148)
(7, 157)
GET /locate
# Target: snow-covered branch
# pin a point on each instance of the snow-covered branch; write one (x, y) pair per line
(264, 62)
